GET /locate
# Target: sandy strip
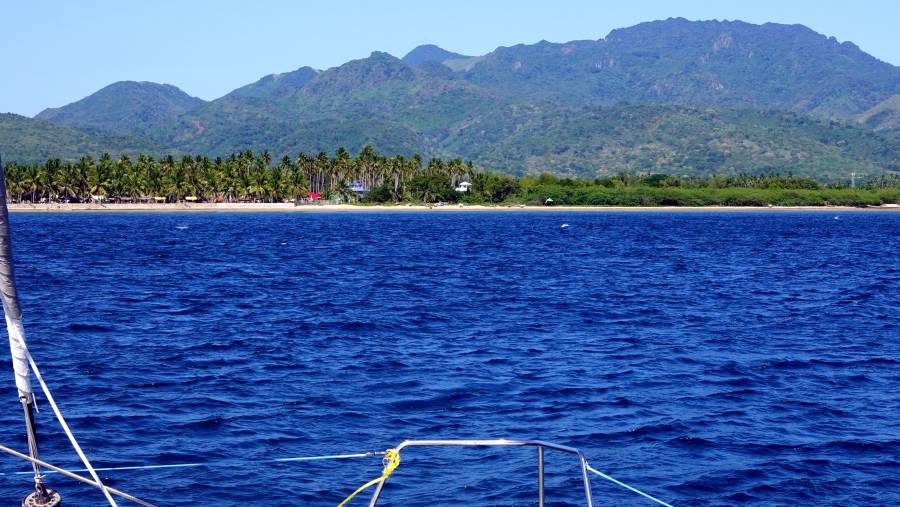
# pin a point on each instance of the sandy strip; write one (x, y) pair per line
(288, 207)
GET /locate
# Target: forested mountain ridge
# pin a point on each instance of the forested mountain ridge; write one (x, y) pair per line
(883, 116)
(723, 63)
(124, 107)
(682, 140)
(277, 85)
(674, 96)
(377, 100)
(26, 139)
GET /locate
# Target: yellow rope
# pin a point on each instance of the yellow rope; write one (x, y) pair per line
(391, 461)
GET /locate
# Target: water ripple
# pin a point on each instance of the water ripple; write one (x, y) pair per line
(713, 359)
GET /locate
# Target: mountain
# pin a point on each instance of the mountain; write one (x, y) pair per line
(381, 100)
(430, 53)
(123, 107)
(277, 85)
(883, 116)
(377, 100)
(724, 63)
(680, 140)
(24, 139)
(676, 96)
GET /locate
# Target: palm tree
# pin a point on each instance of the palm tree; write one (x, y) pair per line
(13, 180)
(299, 185)
(50, 178)
(257, 183)
(99, 177)
(322, 167)
(240, 175)
(176, 183)
(341, 169)
(29, 181)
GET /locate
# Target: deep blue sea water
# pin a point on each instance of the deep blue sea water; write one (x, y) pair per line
(708, 358)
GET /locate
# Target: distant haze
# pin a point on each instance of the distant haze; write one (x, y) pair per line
(56, 52)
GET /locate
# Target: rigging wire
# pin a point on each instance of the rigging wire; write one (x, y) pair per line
(221, 464)
(626, 486)
(77, 477)
(391, 460)
(65, 426)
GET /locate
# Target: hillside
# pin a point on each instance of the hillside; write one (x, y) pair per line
(883, 116)
(123, 107)
(381, 101)
(679, 140)
(24, 139)
(277, 85)
(723, 63)
(674, 96)
(377, 100)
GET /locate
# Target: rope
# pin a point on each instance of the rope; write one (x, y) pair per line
(391, 461)
(222, 464)
(626, 486)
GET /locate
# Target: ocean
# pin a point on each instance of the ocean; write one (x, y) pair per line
(712, 358)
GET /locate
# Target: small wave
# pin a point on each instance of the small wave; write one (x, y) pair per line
(89, 328)
(203, 424)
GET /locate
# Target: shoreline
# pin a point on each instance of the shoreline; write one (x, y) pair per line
(289, 207)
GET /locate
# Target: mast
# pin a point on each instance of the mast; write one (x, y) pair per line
(42, 496)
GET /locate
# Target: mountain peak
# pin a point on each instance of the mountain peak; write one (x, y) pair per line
(382, 55)
(365, 73)
(429, 53)
(124, 106)
(277, 85)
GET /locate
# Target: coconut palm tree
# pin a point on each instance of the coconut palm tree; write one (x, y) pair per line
(240, 175)
(50, 178)
(29, 182)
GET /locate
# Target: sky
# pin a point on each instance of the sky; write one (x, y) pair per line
(54, 52)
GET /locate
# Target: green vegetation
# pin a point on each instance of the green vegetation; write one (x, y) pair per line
(28, 140)
(125, 107)
(884, 116)
(519, 140)
(643, 138)
(277, 85)
(741, 190)
(730, 64)
(673, 96)
(240, 177)
(370, 177)
(649, 196)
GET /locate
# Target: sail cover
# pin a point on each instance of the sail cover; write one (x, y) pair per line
(10, 298)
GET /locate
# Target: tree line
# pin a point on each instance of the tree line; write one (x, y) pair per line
(245, 176)
(372, 177)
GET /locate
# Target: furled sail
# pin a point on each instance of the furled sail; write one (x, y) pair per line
(10, 296)
(42, 497)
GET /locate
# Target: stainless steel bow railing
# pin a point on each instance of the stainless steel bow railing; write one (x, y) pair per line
(539, 444)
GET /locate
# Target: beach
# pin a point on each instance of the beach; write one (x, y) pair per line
(403, 208)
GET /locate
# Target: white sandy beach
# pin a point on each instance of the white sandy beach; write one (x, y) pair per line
(454, 208)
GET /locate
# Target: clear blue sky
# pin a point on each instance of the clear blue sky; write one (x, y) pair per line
(54, 52)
